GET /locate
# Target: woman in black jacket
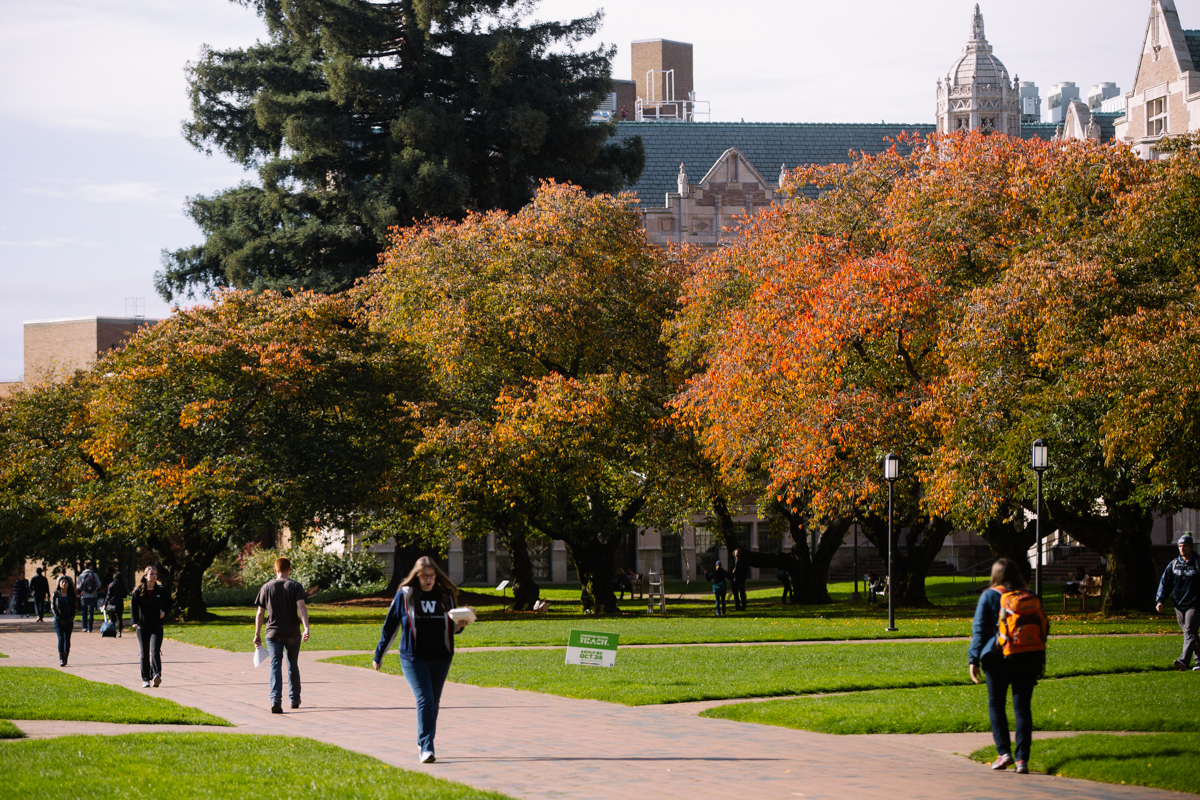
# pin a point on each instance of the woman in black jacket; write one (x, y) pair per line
(147, 608)
(64, 606)
(114, 601)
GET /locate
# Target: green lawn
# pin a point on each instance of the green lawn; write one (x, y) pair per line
(1163, 760)
(1130, 702)
(671, 675)
(9, 731)
(42, 693)
(179, 766)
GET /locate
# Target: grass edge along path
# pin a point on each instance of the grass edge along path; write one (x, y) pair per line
(10, 731)
(1138, 701)
(45, 693)
(651, 676)
(179, 766)
(1158, 760)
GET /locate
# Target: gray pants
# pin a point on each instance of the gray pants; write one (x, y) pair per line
(1189, 622)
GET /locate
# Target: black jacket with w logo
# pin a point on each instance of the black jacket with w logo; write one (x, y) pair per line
(412, 618)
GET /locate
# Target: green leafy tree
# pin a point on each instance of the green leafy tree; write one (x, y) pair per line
(361, 115)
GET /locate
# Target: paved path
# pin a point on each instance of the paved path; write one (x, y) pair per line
(537, 746)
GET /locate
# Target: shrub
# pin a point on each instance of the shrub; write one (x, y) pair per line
(312, 566)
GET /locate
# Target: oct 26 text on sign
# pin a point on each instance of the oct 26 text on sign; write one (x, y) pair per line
(591, 649)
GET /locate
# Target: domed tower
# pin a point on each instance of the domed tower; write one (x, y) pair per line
(977, 93)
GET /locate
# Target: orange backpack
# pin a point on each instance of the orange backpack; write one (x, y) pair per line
(1023, 626)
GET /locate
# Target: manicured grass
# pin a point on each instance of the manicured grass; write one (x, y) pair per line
(356, 628)
(41, 693)
(180, 766)
(1131, 702)
(671, 675)
(9, 731)
(1163, 760)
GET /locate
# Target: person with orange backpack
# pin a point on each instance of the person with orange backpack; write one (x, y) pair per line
(1008, 641)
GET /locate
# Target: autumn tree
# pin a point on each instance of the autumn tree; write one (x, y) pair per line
(360, 115)
(541, 330)
(226, 421)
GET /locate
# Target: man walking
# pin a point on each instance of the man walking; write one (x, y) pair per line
(741, 571)
(281, 603)
(1181, 580)
(40, 587)
(89, 591)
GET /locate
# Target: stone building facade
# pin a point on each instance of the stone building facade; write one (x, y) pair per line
(56, 348)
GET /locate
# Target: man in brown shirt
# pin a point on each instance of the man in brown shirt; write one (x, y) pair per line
(281, 603)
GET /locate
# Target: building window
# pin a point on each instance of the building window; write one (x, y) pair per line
(475, 560)
(672, 564)
(538, 548)
(707, 551)
(1156, 117)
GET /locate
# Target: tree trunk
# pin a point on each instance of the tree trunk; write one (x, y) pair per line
(595, 563)
(1011, 539)
(810, 572)
(403, 559)
(915, 551)
(182, 570)
(525, 589)
(1123, 537)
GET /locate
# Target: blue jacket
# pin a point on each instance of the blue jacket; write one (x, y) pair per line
(983, 629)
(400, 618)
(1181, 580)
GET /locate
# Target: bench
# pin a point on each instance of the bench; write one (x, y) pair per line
(1094, 588)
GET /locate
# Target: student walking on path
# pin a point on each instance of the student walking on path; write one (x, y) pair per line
(20, 597)
(993, 647)
(420, 611)
(114, 601)
(64, 607)
(1181, 582)
(281, 604)
(147, 609)
(40, 587)
(89, 592)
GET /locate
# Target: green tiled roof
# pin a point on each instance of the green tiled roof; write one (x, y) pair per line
(1193, 44)
(767, 145)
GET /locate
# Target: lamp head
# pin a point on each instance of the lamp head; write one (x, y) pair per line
(1040, 458)
(891, 467)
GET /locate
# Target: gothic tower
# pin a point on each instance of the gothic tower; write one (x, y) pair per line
(977, 93)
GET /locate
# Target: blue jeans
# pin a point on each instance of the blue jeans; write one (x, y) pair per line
(88, 604)
(1021, 673)
(426, 679)
(719, 600)
(277, 648)
(150, 643)
(63, 629)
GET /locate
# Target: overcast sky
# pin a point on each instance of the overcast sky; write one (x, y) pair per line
(94, 171)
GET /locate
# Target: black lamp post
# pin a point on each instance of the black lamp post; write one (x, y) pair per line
(854, 527)
(891, 471)
(1039, 461)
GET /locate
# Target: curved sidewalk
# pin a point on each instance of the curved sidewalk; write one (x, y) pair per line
(530, 745)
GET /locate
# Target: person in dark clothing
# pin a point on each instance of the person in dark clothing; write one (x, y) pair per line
(281, 603)
(1020, 671)
(64, 606)
(114, 601)
(720, 585)
(147, 608)
(89, 594)
(785, 578)
(1181, 582)
(20, 597)
(741, 572)
(420, 612)
(40, 588)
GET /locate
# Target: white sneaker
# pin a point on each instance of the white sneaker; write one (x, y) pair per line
(427, 757)
(145, 684)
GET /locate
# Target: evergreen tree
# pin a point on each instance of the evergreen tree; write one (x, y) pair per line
(361, 115)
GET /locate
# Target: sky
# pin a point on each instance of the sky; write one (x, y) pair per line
(94, 172)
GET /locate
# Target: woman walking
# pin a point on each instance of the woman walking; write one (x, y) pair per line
(147, 608)
(64, 606)
(420, 611)
(1020, 670)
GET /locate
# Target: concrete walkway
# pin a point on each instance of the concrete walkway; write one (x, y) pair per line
(530, 745)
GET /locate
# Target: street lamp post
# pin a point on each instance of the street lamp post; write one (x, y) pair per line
(891, 471)
(1039, 461)
(855, 596)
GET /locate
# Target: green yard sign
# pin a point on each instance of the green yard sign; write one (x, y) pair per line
(592, 649)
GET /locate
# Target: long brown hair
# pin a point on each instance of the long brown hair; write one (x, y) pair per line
(440, 578)
(1007, 572)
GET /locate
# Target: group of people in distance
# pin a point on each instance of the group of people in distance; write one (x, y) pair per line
(1001, 669)
(729, 581)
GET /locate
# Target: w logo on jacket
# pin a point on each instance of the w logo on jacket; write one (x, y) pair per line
(429, 606)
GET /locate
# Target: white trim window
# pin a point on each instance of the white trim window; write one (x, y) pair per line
(1156, 116)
